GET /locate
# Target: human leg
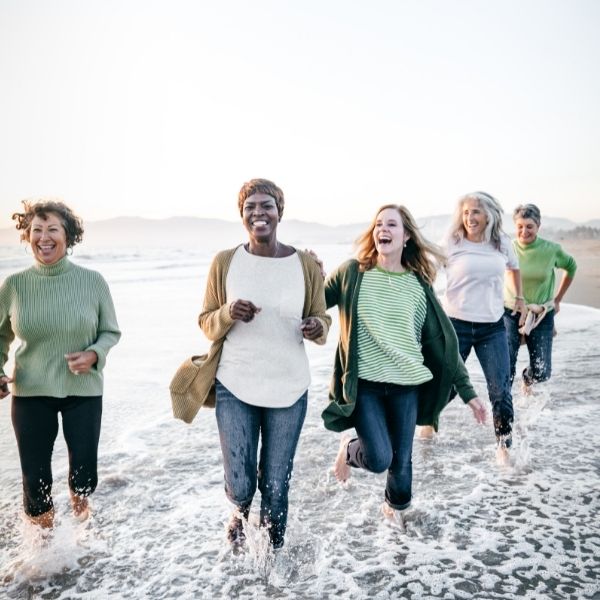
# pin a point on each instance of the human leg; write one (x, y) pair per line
(35, 422)
(280, 431)
(372, 449)
(239, 426)
(401, 416)
(511, 324)
(539, 345)
(465, 334)
(81, 421)
(491, 347)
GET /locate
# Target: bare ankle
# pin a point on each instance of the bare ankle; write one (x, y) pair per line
(81, 506)
(45, 520)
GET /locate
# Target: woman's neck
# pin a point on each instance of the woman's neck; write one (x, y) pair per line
(476, 239)
(270, 249)
(391, 263)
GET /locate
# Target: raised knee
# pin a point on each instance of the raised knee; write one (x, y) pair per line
(379, 463)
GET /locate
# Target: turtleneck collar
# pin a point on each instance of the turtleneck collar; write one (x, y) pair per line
(531, 246)
(58, 268)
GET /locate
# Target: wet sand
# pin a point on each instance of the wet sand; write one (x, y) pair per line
(585, 288)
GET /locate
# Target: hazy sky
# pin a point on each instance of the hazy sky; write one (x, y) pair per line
(159, 108)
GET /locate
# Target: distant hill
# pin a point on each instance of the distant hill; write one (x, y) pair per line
(217, 233)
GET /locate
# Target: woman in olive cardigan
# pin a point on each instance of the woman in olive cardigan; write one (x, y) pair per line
(391, 249)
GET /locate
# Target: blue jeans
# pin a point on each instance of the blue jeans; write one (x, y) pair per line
(491, 347)
(240, 426)
(539, 346)
(385, 418)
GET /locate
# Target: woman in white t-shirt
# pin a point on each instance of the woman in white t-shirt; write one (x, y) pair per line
(479, 253)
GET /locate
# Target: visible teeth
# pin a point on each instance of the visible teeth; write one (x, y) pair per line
(260, 223)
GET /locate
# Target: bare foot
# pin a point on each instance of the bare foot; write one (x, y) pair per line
(45, 520)
(81, 507)
(341, 469)
(425, 432)
(395, 517)
(502, 456)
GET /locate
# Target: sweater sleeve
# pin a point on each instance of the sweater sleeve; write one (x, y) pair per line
(215, 320)
(108, 328)
(333, 287)
(565, 261)
(317, 307)
(6, 333)
(462, 383)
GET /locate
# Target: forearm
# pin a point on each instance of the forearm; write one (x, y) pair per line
(215, 322)
(516, 282)
(565, 283)
(108, 332)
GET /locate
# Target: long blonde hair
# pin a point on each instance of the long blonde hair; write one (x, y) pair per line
(419, 255)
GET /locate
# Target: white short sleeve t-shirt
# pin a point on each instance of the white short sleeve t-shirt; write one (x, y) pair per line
(475, 279)
(264, 362)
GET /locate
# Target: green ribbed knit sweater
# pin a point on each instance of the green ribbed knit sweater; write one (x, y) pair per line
(54, 310)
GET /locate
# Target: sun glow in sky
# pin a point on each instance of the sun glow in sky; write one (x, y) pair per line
(160, 108)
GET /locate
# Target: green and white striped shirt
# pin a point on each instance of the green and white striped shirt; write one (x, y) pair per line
(55, 310)
(391, 312)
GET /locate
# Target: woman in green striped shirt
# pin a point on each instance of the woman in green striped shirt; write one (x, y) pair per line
(64, 316)
(397, 357)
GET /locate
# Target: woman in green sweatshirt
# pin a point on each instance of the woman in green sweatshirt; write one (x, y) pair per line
(397, 358)
(538, 258)
(64, 316)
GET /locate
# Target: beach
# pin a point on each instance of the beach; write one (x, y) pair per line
(475, 530)
(585, 288)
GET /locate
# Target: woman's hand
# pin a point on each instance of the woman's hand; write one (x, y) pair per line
(243, 310)
(4, 381)
(312, 328)
(479, 410)
(556, 306)
(81, 362)
(521, 308)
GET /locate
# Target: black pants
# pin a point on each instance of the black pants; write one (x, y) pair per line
(35, 421)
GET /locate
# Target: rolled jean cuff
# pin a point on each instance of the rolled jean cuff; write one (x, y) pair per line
(395, 506)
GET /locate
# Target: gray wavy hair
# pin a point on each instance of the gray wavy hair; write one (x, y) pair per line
(493, 211)
(528, 211)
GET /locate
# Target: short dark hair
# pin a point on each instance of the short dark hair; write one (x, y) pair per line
(528, 211)
(71, 223)
(261, 186)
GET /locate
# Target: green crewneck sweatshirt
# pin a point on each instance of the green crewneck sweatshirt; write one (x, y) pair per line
(537, 262)
(54, 310)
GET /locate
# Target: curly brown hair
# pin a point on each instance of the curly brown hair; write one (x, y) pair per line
(420, 256)
(72, 224)
(261, 186)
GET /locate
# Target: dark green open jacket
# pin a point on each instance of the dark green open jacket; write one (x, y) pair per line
(438, 344)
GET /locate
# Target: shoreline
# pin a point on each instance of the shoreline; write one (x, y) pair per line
(585, 289)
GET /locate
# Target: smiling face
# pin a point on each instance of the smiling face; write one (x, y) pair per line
(260, 217)
(47, 238)
(389, 235)
(527, 230)
(474, 220)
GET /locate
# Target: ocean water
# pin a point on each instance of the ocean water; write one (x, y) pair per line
(476, 530)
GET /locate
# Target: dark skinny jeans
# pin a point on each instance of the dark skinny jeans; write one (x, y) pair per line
(35, 421)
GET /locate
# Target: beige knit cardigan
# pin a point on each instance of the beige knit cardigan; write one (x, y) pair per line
(193, 385)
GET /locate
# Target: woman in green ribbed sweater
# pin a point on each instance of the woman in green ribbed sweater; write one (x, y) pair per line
(538, 260)
(64, 316)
